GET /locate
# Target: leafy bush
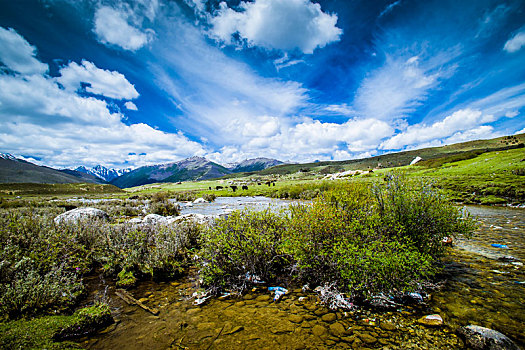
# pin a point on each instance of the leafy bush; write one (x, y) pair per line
(361, 240)
(243, 247)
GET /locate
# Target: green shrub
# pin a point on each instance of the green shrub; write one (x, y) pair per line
(242, 246)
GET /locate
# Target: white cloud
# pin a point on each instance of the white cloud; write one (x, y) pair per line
(396, 89)
(511, 114)
(457, 124)
(516, 42)
(18, 55)
(275, 24)
(38, 118)
(131, 106)
(522, 131)
(112, 27)
(100, 82)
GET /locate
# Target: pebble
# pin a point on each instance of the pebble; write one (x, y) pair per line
(318, 330)
(337, 329)
(296, 318)
(330, 317)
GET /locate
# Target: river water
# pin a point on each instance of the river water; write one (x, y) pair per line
(480, 289)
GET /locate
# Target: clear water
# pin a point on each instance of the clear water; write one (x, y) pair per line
(480, 290)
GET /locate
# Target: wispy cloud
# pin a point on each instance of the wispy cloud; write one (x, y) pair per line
(389, 8)
(516, 43)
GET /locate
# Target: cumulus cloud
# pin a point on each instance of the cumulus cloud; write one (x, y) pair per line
(112, 27)
(516, 42)
(96, 81)
(18, 55)
(131, 106)
(62, 128)
(457, 124)
(275, 24)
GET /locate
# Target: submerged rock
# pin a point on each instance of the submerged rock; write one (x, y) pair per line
(481, 338)
(81, 214)
(431, 320)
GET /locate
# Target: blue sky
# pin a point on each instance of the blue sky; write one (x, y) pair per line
(131, 83)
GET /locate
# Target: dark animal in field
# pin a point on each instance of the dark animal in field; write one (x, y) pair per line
(258, 184)
(209, 188)
(244, 187)
(268, 183)
(273, 183)
(234, 188)
(219, 187)
(67, 207)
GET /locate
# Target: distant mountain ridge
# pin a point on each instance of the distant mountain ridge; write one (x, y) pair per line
(15, 170)
(100, 171)
(194, 168)
(255, 164)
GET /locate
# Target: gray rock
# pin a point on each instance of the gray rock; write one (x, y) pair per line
(153, 219)
(81, 214)
(481, 338)
(135, 221)
(200, 200)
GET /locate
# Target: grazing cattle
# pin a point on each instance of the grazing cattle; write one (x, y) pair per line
(244, 187)
(219, 187)
(258, 184)
(234, 188)
(273, 183)
(268, 183)
(209, 188)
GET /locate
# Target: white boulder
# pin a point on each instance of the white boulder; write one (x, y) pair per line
(81, 214)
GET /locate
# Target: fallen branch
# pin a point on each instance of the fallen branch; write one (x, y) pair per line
(132, 301)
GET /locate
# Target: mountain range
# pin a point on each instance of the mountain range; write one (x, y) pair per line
(100, 171)
(14, 170)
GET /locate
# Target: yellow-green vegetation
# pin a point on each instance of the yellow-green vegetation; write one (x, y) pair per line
(487, 178)
(365, 240)
(48, 332)
(35, 189)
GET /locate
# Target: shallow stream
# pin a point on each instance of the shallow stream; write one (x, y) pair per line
(480, 290)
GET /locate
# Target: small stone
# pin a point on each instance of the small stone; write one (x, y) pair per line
(318, 330)
(320, 311)
(205, 325)
(387, 326)
(248, 297)
(431, 320)
(240, 303)
(367, 338)
(143, 300)
(263, 298)
(296, 318)
(331, 317)
(337, 329)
